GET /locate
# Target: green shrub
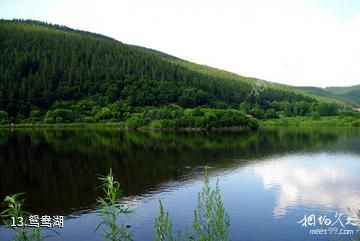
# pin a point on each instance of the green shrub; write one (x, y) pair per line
(327, 109)
(87, 119)
(59, 116)
(316, 115)
(103, 114)
(111, 209)
(355, 123)
(4, 117)
(14, 209)
(271, 113)
(135, 121)
(211, 222)
(156, 124)
(257, 112)
(163, 227)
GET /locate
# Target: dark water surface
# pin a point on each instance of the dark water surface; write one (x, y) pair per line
(269, 179)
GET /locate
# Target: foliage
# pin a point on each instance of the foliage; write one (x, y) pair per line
(351, 93)
(211, 222)
(103, 114)
(327, 109)
(198, 118)
(56, 74)
(135, 121)
(111, 210)
(315, 120)
(59, 116)
(4, 117)
(163, 227)
(14, 209)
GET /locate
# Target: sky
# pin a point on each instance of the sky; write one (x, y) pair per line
(295, 42)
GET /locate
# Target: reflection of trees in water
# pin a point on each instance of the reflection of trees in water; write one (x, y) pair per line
(57, 168)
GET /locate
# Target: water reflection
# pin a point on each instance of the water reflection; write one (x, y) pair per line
(325, 180)
(57, 168)
(272, 176)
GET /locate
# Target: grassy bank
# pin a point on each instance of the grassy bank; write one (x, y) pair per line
(338, 121)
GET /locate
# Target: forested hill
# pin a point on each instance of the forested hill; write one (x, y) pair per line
(44, 68)
(351, 93)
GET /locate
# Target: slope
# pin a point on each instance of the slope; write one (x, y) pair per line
(54, 71)
(351, 93)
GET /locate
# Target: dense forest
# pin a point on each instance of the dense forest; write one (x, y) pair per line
(54, 74)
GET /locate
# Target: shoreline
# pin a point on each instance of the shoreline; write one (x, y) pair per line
(121, 126)
(333, 121)
(330, 121)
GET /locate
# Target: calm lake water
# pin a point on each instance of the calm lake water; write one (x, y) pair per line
(270, 179)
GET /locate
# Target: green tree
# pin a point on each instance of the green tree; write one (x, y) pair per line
(4, 117)
(59, 116)
(104, 114)
(327, 109)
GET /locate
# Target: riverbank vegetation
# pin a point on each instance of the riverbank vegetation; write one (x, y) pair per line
(152, 118)
(14, 215)
(317, 121)
(211, 222)
(111, 209)
(175, 117)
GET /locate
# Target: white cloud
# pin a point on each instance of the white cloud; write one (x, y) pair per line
(293, 42)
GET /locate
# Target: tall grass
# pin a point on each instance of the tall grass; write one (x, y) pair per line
(111, 210)
(14, 211)
(211, 221)
(163, 227)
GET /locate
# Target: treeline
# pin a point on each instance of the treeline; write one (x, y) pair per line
(152, 117)
(174, 116)
(278, 109)
(51, 73)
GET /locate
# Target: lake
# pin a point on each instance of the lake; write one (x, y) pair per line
(274, 181)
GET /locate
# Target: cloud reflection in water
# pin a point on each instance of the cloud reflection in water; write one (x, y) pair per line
(328, 181)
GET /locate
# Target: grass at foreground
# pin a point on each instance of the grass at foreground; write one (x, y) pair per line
(14, 211)
(211, 222)
(339, 121)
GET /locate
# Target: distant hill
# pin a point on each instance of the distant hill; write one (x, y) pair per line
(45, 67)
(350, 93)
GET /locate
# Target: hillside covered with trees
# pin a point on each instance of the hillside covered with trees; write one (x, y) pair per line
(54, 74)
(351, 93)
